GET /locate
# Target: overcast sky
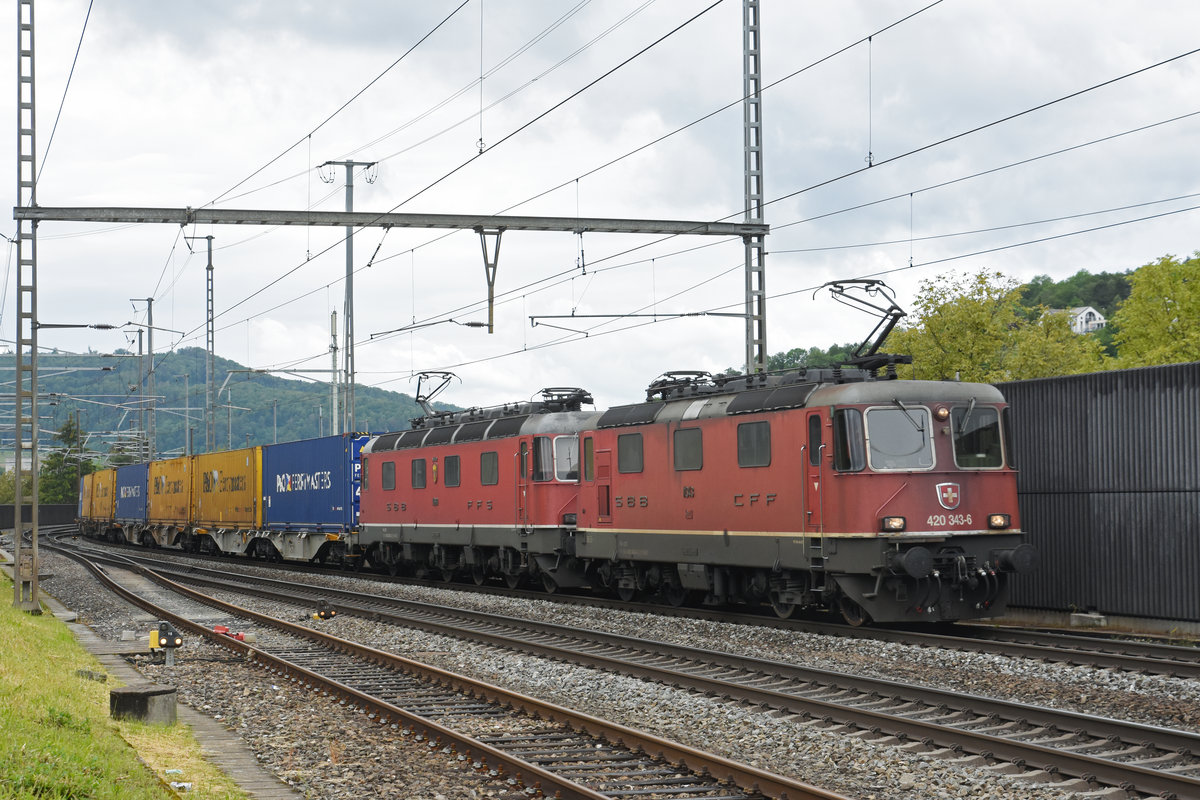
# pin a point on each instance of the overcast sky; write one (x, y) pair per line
(234, 104)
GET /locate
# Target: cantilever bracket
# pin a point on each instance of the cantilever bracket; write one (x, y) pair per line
(490, 262)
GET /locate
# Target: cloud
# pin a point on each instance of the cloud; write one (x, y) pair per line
(175, 104)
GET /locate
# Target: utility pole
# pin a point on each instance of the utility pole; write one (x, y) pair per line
(151, 430)
(209, 339)
(333, 371)
(187, 414)
(141, 450)
(79, 442)
(755, 244)
(348, 311)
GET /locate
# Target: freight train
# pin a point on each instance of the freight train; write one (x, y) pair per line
(885, 500)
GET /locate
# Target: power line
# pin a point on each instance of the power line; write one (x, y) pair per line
(63, 102)
(985, 230)
(342, 107)
(507, 137)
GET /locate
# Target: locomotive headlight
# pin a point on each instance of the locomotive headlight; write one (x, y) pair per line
(998, 521)
(893, 524)
(942, 413)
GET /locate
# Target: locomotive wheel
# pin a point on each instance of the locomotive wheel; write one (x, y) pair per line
(782, 610)
(477, 574)
(626, 593)
(447, 575)
(674, 594)
(854, 614)
(513, 579)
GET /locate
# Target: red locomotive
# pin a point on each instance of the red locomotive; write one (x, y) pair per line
(888, 500)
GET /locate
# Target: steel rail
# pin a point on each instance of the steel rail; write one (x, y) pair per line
(1050, 759)
(1154, 659)
(719, 768)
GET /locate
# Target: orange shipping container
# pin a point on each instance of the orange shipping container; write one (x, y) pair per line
(226, 488)
(170, 492)
(102, 495)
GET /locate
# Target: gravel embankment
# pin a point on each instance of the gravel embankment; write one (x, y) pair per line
(328, 752)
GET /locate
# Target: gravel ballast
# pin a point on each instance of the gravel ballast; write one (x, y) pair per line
(328, 751)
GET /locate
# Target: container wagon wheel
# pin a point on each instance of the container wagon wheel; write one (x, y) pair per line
(548, 583)
(626, 593)
(477, 574)
(513, 579)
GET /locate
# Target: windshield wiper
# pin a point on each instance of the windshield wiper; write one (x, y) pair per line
(908, 415)
(966, 417)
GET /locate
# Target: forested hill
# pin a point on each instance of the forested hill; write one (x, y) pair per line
(106, 389)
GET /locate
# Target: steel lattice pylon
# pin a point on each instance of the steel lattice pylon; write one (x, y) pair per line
(25, 585)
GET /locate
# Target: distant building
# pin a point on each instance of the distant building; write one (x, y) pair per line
(1082, 319)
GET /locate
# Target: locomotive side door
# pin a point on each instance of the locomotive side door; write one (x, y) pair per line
(812, 462)
(604, 487)
(523, 467)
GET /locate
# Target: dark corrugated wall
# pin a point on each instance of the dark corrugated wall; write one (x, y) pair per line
(1110, 490)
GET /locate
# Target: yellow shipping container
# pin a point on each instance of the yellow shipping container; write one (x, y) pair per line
(170, 498)
(102, 494)
(226, 488)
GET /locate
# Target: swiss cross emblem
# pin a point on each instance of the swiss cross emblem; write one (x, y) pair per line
(949, 495)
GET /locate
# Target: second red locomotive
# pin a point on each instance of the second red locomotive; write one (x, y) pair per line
(887, 500)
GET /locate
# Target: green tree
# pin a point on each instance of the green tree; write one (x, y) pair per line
(58, 478)
(812, 357)
(1102, 291)
(974, 328)
(8, 483)
(1160, 321)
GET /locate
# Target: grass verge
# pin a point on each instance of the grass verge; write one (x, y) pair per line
(57, 741)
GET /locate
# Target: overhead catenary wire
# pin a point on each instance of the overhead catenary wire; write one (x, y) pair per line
(462, 91)
(575, 94)
(342, 107)
(506, 138)
(63, 101)
(557, 278)
(969, 132)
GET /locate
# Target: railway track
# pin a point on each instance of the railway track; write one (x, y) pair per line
(1119, 653)
(552, 750)
(1096, 751)
(1106, 652)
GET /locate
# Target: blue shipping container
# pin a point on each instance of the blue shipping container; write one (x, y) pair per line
(312, 485)
(131, 490)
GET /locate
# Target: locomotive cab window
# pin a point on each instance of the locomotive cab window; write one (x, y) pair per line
(754, 444)
(543, 460)
(452, 471)
(849, 448)
(629, 452)
(362, 482)
(418, 473)
(489, 468)
(977, 442)
(1006, 430)
(566, 458)
(389, 475)
(898, 438)
(689, 449)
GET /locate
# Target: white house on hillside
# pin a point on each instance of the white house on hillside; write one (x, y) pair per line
(1083, 319)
